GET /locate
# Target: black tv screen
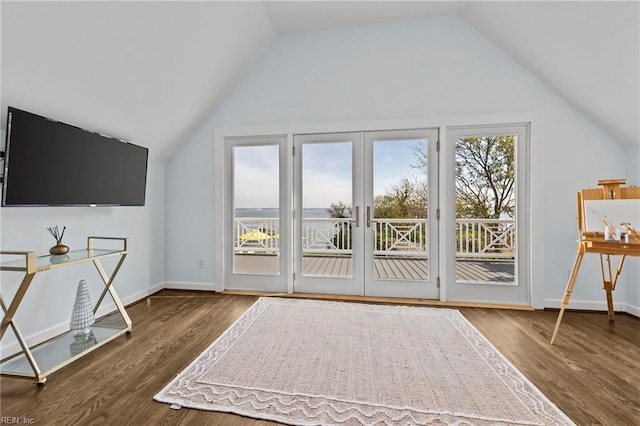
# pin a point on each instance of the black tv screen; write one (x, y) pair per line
(49, 163)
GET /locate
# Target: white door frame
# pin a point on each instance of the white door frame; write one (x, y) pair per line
(535, 119)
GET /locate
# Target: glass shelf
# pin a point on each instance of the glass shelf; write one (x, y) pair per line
(44, 263)
(61, 350)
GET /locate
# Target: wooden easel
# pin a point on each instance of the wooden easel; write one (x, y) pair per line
(594, 242)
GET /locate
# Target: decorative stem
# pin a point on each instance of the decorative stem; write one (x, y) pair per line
(56, 233)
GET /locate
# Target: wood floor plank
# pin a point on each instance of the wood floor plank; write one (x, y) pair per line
(577, 374)
(592, 372)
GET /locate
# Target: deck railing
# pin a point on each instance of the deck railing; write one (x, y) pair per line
(327, 235)
(475, 238)
(256, 235)
(400, 237)
(485, 238)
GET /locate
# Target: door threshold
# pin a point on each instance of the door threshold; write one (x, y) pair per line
(372, 299)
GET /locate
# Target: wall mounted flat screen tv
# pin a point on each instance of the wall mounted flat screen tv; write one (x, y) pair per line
(49, 163)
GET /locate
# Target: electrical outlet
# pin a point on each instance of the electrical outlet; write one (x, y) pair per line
(200, 264)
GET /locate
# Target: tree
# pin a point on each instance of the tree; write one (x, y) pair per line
(407, 199)
(485, 177)
(339, 210)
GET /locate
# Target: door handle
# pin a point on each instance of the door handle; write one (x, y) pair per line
(357, 216)
(368, 216)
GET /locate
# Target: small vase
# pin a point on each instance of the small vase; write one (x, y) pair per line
(59, 248)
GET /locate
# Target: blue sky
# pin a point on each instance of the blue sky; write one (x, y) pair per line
(327, 172)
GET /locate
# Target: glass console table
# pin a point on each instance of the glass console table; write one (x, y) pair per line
(41, 360)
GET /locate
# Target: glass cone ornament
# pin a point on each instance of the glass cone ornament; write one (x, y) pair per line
(82, 316)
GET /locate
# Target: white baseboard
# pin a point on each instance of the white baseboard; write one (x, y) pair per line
(107, 307)
(633, 310)
(156, 288)
(593, 306)
(139, 295)
(184, 285)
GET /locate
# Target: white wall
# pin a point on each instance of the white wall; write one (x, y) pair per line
(428, 67)
(631, 272)
(46, 308)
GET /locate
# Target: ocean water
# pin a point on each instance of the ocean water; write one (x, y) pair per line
(273, 213)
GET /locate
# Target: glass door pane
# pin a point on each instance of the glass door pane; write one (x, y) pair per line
(400, 199)
(400, 193)
(485, 209)
(256, 213)
(327, 209)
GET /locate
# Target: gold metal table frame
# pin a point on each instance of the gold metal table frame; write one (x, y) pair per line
(30, 265)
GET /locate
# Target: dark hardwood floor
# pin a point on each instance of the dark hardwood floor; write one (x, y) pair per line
(592, 373)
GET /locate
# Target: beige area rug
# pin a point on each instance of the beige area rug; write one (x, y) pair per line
(308, 362)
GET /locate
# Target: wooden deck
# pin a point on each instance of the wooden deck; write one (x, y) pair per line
(492, 271)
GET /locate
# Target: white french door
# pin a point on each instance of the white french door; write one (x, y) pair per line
(328, 199)
(365, 221)
(358, 213)
(401, 204)
(488, 224)
(256, 229)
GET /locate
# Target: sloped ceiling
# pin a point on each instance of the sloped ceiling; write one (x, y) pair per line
(150, 71)
(146, 72)
(588, 52)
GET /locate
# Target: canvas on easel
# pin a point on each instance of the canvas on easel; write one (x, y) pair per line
(598, 208)
(591, 216)
(614, 212)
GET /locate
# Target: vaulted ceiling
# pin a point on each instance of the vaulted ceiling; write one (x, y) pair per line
(149, 72)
